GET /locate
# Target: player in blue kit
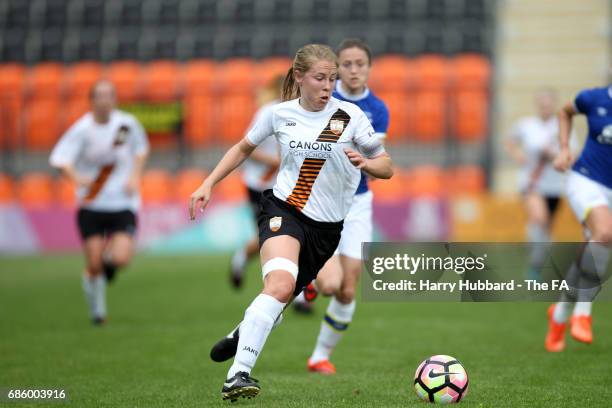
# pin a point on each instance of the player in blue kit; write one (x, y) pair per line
(340, 275)
(589, 191)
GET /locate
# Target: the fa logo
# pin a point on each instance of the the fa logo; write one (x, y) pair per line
(122, 135)
(336, 126)
(606, 135)
(275, 223)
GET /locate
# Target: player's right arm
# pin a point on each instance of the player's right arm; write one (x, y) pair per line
(66, 151)
(234, 157)
(512, 144)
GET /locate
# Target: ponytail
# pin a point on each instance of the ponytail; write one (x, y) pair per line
(290, 89)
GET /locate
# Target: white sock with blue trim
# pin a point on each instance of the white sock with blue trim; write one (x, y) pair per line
(336, 321)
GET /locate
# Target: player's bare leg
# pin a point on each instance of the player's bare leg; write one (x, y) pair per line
(538, 232)
(240, 259)
(94, 283)
(117, 254)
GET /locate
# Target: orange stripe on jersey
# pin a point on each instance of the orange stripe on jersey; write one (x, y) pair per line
(99, 182)
(312, 167)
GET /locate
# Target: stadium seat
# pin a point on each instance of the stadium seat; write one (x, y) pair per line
(7, 189)
(126, 76)
(465, 180)
(430, 114)
(199, 77)
(401, 118)
(80, 77)
(75, 108)
(41, 125)
(237, 76)
(471, 71)
(391, 73)
(156, 187)
(431, 72)
(231, 189)
(65, 192)
(200, 115)
(186, 182)
(162, 81)
(392, 190)
(268, 68)
(426, 181)
(44, 81)
(11, 103)
(470, 115)
(236, 113)
(35, 190)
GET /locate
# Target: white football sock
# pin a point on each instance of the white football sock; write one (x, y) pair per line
(336, 321)
(259, 319)
(99, 290)
(239, 259)
(562, 311)
(539, 238)
(593, 265)
(582, 309)
(88, 290)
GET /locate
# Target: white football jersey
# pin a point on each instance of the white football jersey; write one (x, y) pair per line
(535, 136)
(315, 175)
(105, 153)
(259, 176)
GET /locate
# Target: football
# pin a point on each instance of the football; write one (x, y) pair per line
(441, 379)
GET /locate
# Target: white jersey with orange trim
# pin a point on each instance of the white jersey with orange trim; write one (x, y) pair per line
(106, 154)
(315, 175)
(259, 176)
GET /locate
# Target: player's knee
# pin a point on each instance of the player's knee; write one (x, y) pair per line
(94, 268)
(121, 259)
(280, 275)
(346, 295)
(327, 287)
(603, 233)
(280, 289)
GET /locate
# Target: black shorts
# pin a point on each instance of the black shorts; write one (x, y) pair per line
(105, 223)
(318, 240)
(552, 203)
(255, 201)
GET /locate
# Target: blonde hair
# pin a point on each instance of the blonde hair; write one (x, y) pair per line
(304, 58)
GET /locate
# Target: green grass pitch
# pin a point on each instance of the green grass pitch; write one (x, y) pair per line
(166, 312)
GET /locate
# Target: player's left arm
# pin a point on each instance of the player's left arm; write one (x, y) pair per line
(371, 157)
(141, 153)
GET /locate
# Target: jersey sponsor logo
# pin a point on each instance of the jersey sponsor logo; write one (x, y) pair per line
(601, 111)
(606, 135)
(317, 146)
(314, 161)
(336, 126)
(275, 223)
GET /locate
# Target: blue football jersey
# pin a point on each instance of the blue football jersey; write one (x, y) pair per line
(595, 161)
(376, 110)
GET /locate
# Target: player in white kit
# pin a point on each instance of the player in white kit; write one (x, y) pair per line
(324, 143)
(104, 153)
(533, 144)
(259, 174)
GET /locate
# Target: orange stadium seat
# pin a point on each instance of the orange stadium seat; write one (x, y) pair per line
(431, 72)
(65, 192)
(471, 71)
(156, 187)
(391, 190)
(401, 119)
(44, 81)
(199, 76)
(73, 111)
(7, 189)
(470, 115)
(41, 125)
(162, 81)
(12, 78)
(465, 180)
(268, 68)
(237, 76)
(80, 77)
(200, 115)
(236, 113)
(231, 189)
(430, 115)
(35, 190)
(126, 75)
(391, 73)
(426, 181)
(186, 182)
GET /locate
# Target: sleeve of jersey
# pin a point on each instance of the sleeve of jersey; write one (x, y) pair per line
(381, 124)
(141, 142)
(67, 149)
(365, 138)
(582, 103)
(261, 127)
